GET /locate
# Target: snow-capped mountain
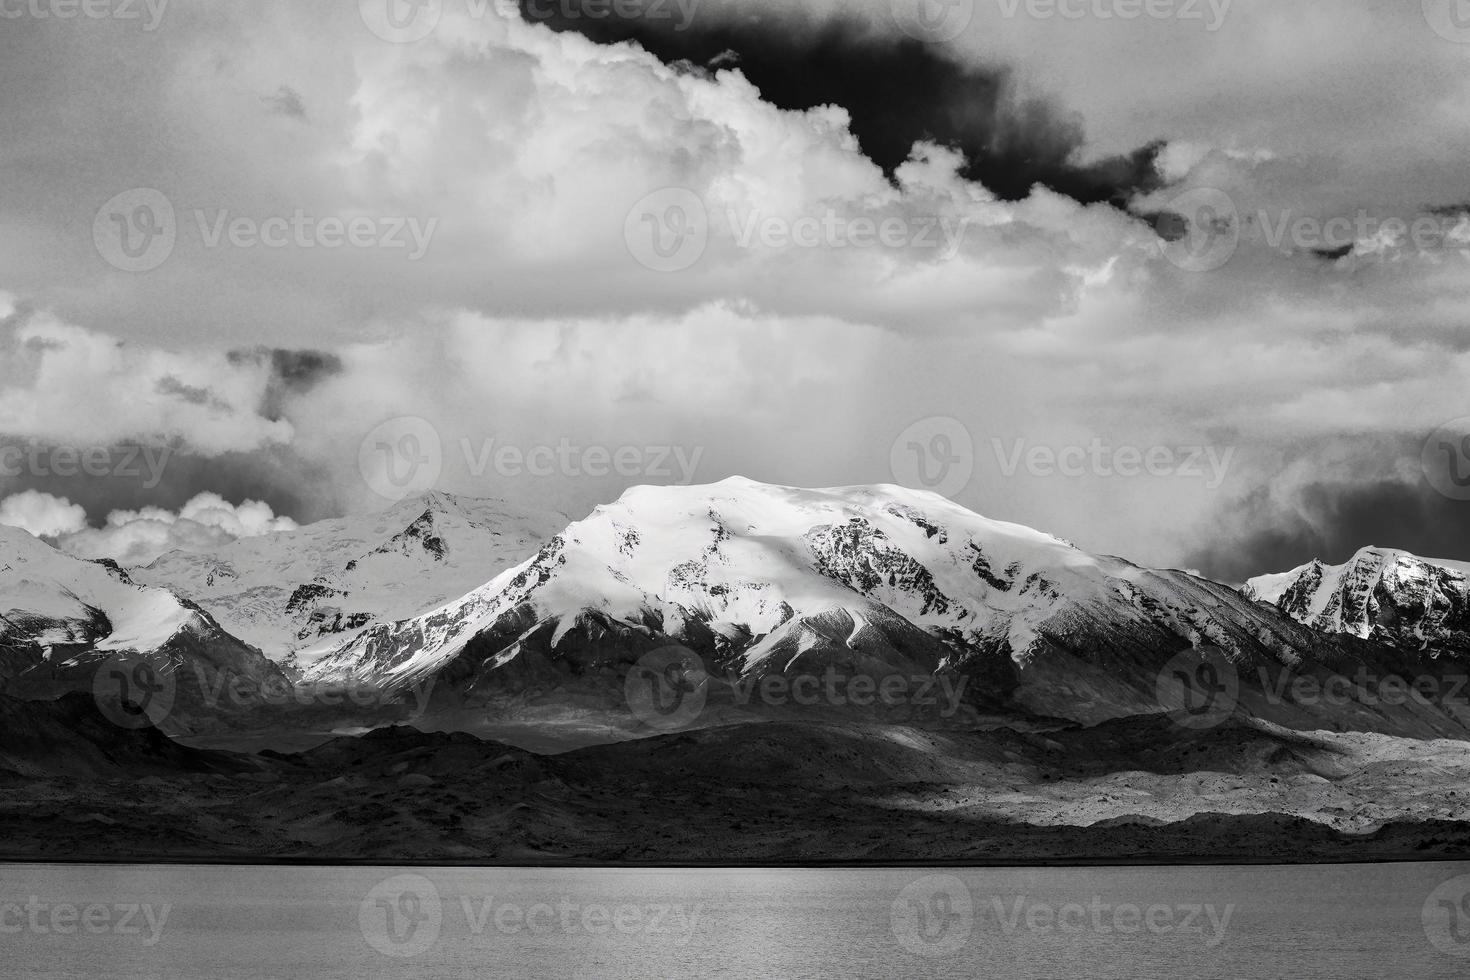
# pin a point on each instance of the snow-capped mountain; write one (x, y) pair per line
(765, 579)
(300, 595)
(1381, 594)
(61, 617)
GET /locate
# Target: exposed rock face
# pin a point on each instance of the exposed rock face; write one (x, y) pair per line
(881, 581)
(62, 619)
(1392, 597)
(301, 595)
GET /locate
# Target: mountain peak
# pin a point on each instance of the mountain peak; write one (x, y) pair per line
(1386, 594)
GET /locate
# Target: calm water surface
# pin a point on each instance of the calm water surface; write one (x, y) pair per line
(354, 923)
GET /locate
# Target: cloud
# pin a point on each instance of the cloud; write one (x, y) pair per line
(132, 538)
(63, 384)
(531, 317)
(898, 91)
(1329, 498)
(41, 514)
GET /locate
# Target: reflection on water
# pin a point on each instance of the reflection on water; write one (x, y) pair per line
(259, 922)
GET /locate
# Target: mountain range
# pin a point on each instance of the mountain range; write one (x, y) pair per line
(720, 673)
(480, 612)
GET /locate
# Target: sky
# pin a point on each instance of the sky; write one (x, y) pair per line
(1179, 280)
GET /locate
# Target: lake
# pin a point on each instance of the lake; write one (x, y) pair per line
(251, 923)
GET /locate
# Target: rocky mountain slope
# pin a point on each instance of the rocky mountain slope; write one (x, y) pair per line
(1133, 790)
(880, 581)
(63, 618)
(301, 595)
(1389, 596)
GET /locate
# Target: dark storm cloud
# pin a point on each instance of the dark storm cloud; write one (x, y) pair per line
(302, 370)
(292, 372)
(898, 91)
(1333, 521)
(297, 370)
(1449, 210)
(193, 395)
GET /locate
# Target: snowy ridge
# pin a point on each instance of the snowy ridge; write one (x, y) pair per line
(765, 576)
(301, 595)
(1381, 594)
(52, 599)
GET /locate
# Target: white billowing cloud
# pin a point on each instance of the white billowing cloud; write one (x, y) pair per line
(729, 388)
(62, 384)
(520, 155)
(138, 537)
(42, 514)
(529, 320)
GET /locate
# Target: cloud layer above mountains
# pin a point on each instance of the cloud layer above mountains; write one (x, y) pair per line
(896, 232)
